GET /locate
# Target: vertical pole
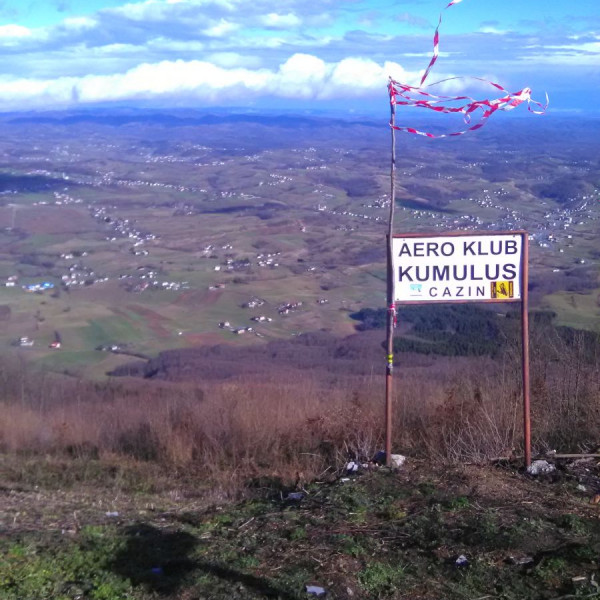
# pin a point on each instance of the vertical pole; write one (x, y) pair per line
(525, 349)
(391, 313)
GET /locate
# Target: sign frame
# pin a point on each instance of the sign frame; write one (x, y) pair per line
(524, 301)
(523, 276)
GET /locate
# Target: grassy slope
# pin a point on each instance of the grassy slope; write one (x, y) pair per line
(379, 535)
(581, 311)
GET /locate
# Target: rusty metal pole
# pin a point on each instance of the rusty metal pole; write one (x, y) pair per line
(525, 348)
(391, 310)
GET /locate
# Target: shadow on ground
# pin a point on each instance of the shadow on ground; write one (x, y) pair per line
(162, 562)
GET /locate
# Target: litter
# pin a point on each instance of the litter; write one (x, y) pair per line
(397, 460)
(351, 467)
(462, 561)
(316, 590)
(538, 467)
(112, 514)
(379, 458)
(521, 560)
(295, 496)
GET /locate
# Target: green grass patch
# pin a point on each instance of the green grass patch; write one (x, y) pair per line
(580, 311)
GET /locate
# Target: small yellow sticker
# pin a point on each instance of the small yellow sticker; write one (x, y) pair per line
(502, 290)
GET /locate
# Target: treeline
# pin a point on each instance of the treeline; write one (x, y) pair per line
(326, 357)
(467, 330)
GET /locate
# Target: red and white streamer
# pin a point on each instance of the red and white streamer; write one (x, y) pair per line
(402, 94)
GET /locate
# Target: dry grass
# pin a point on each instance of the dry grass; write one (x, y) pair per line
(297, 428)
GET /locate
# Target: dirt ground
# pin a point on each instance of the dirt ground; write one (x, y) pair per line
(425, 531)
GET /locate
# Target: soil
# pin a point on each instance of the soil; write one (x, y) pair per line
(426, 532)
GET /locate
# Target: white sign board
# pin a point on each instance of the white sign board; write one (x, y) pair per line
(457, 268)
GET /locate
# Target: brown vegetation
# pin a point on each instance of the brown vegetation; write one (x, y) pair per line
(299, 422)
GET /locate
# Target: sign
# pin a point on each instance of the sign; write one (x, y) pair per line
(457, 268)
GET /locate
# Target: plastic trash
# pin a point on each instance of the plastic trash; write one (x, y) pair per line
(112, 514)
(538, 467)
(520, 560)
(462, 561)
(295, 496)
(351, 467)
(379, 458)
(315, 590)
(397, 460)
(157, 570)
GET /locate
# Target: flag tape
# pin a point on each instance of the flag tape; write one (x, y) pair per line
(402, 94)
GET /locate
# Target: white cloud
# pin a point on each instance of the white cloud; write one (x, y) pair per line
(220, 29)
(301, 76)
(583, 54)
(277, 21)
(150, 10)
(15, 31)
(492, 30)
(80, 23)
(229, 60)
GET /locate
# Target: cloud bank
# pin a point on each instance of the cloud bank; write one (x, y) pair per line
(302, 76)
(233, 51)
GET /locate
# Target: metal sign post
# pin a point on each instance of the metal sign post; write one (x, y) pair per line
(460, 267)
(525, 349)
(391, 311)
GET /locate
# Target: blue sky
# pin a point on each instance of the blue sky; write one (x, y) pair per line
(260, 53)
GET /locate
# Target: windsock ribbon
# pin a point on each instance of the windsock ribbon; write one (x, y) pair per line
(405, 95)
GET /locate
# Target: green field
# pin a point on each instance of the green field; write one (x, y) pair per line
(145, 205)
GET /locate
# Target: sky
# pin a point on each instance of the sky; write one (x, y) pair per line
(291, 54)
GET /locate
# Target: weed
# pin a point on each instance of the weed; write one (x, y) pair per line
(552, 571)
(380, 579)
(574, 524)
(351, 545)
(392, 510)
(33, 571)
(427, 488)
(299, 533)
(458, 503)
